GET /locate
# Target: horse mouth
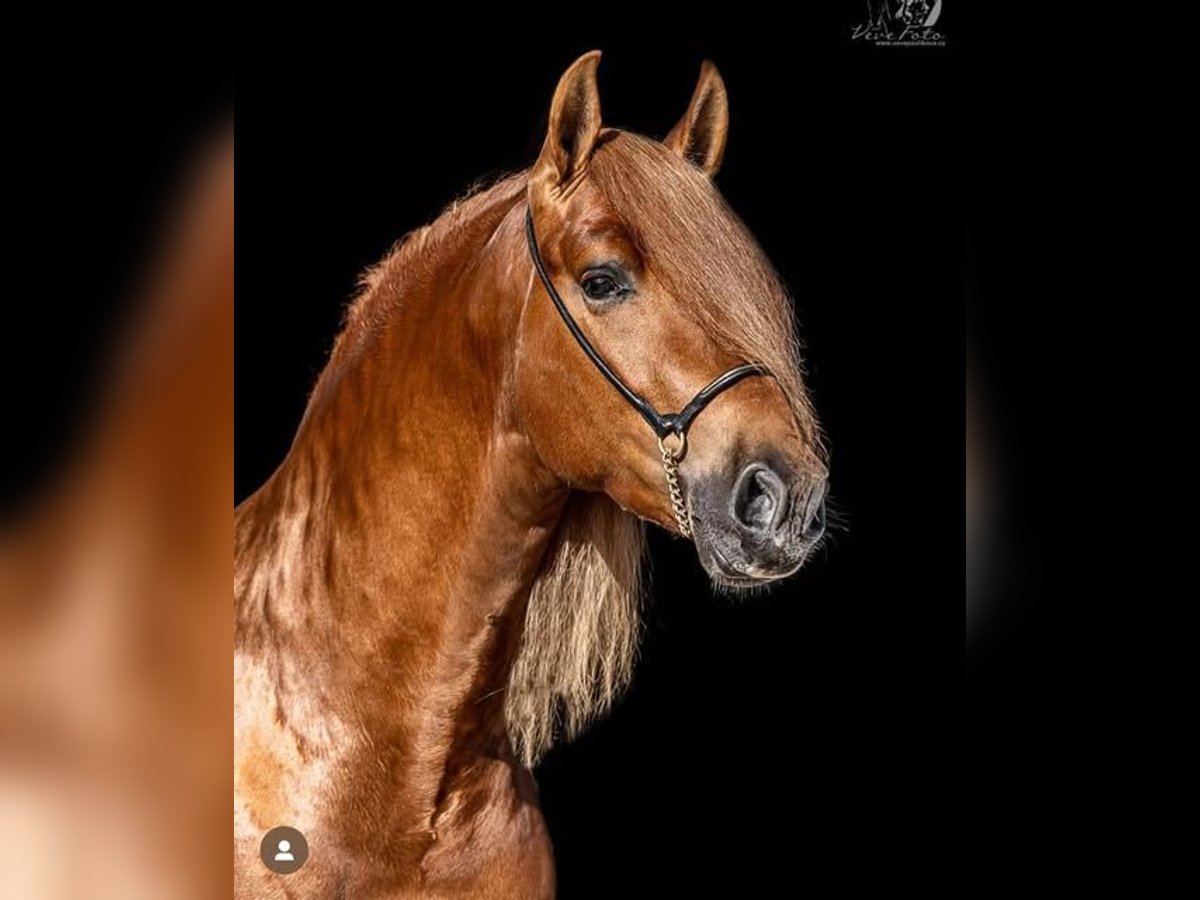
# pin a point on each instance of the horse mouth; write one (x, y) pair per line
(727, 572)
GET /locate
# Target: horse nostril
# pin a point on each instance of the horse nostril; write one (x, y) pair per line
(759, 499)
(814, 525)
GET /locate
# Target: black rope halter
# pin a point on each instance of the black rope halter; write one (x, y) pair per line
(665, 425)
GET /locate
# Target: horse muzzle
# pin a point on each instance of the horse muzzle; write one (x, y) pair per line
(759, 524)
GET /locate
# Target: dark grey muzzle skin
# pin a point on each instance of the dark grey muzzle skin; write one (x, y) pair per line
(758, 522)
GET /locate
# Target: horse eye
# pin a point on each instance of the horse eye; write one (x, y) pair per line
(601, 286)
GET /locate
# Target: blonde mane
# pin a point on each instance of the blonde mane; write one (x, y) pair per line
(582, 627)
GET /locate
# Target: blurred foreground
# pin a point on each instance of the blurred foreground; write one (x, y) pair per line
(115, 623)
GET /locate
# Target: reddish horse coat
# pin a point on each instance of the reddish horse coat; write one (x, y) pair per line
(444, 570)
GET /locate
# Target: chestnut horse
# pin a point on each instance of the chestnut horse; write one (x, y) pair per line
(443, 575)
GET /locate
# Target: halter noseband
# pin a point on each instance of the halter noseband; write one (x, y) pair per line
(665, 425)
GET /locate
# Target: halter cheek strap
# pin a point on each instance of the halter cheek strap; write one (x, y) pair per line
(665, 425)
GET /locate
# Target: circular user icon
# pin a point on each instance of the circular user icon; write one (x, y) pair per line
(284, 850)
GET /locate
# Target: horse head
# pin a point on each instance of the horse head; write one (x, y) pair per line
(671, 289)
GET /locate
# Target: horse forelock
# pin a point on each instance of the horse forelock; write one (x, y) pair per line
(704, 256)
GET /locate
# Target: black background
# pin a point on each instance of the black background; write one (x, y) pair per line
(94, 162)
(760, 735)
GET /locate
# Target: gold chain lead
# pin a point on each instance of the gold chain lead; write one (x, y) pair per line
(670, 461)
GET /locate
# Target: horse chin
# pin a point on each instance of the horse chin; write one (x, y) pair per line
(731, 569)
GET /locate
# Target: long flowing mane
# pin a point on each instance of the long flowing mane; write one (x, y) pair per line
(582, 627)
(582, 621)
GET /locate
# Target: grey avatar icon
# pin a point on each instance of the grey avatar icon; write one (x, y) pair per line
(284, 850)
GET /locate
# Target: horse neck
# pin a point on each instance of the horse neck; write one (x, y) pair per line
(387, 563)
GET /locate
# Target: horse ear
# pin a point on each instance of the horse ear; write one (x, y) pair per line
(574, 123)
(700, 135)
